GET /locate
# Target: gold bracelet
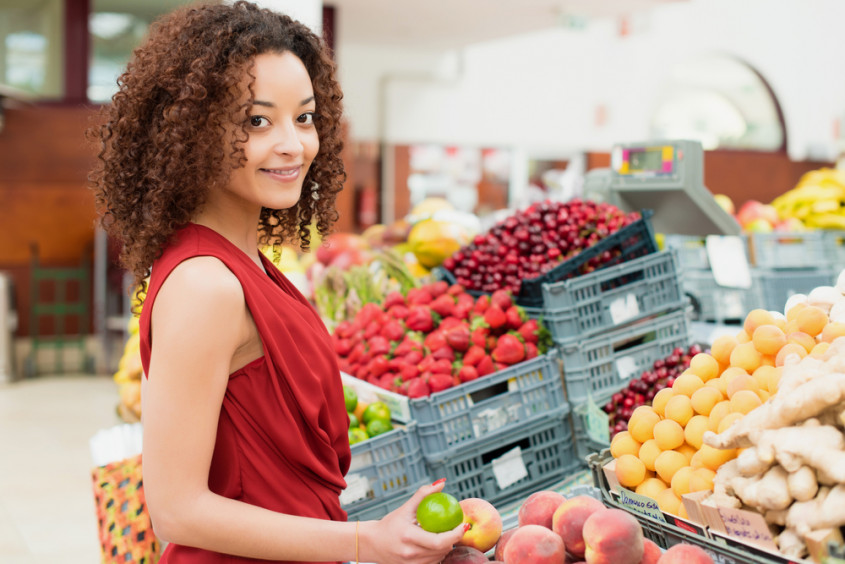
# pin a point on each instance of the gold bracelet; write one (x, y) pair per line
(357, 524)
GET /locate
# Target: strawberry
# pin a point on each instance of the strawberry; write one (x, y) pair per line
(473, 355)
(514, 317)
(357, 351)
(485, 366)
(386, 381)
(530, 331)
(342, 347)
(458, 336)
(439, 382)
(501, 298)
(368, 312)
(495, 317)
(398, 311)
(442, 366)
(418, 296)
(479, 337)
(464, 299)
(413, 357)
(438, 288)
(426, 363)
(461, 311)
(393, 298)
(344, 329)
(392, 331)
(455, 289)
(408, 370)
(481, 305)
(509, 350)
(443, 305)
(404, 347)
(378, 365)
(448, 323)
(378, 345)
(417, 388)
(373, 328)
(395, 364)
(531, 351)
(467, 373)
(435, 340)
(419, 319)
(444, 353)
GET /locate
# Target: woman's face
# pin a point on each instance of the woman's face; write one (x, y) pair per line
(283, 140)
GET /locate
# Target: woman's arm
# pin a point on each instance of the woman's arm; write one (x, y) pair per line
(200, 323)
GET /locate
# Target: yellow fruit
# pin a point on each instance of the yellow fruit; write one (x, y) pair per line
(719, 411)
(630, 470)
(712, 458)
(744, 401)
(789, 350)
(706, 366)
(701, 480)
(694, 431)
(680, 481)
(742, 337)
(831, 332)
(668, 462)
(623, 443)
(747, 357)
(649, 453)
(801, 338)
(679, 409)
(687, 383)
(434, 241)
(811, 320)
(721, 349)
(792, 314)
(756, 318)
(668, 434)
(650, 487)
(741, 382)
(667, 501)
(658, 403)
(704, 399)
(820, 348)
(687, 450)
(761, 376)
(643, 427)
(768, 339)
(729, 420)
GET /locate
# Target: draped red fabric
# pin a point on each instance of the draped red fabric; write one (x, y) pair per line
(282, 437)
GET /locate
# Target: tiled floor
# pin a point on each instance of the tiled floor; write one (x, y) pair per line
(46, 499)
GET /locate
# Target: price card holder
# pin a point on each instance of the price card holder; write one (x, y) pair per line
(509, 468)
(728, 261)
(640, 504)
(626, 366)
(624, 308)
(747, 527)
(597, 422)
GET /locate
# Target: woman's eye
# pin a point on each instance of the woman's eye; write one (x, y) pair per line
(258, 121)
(306, 118)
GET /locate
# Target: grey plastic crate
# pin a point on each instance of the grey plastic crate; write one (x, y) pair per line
(692, 250)
(834, 244)
(611, 297)
(585, 445)
(382, 467)
(599, 366)
(776, 286)
(489, 406)
(779, 250)
(712, 302)
(545, 451)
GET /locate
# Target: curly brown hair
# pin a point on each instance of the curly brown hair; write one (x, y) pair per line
(163, 142)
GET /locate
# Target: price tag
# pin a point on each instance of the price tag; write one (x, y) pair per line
(728, 261)
(626, 366)
(747, 526)
(509, 468)
(641, 504)
(598, 423)
(357, 488)
(624, 308)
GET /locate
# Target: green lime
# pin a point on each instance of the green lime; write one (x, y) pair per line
(353, 421)
(439, 512)
(379, 426)
(357, 434)
(376, 410)
(351, 397)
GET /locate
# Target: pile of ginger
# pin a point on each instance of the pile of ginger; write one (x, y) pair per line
(791, 466)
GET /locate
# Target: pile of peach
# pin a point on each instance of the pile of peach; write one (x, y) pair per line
(553, 529)
(661, 455)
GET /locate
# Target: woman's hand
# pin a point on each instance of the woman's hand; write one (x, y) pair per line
(398, 539)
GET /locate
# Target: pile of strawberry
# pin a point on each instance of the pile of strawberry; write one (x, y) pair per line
(435, 337)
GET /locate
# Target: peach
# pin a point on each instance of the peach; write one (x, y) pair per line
(499, 553)
(484, 521)
(465, 555)
(539, 508)
(568, 522)
(685, 554)
(651, 552)
(535, 544)
(612, 536)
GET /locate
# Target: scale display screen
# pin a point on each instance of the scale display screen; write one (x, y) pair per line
(647, 160)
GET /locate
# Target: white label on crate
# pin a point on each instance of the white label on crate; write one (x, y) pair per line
(728, 261)
(509, 468)
(624, 308)
(626, 366)
(488, 420)
(641, 504)
(598, 423)
(357, 488)
(361, 460)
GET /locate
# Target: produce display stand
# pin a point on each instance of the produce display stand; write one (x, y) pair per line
(803, 249)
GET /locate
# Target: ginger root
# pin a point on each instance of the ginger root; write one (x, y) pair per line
(802, 484)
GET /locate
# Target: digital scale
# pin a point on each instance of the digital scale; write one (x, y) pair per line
(666, 177)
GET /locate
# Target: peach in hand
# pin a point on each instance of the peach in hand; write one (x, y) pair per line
(612, 536)
(484, 521)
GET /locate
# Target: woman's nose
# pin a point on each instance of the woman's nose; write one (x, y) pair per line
(288, 141)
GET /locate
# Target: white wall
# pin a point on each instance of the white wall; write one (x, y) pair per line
(541, 91)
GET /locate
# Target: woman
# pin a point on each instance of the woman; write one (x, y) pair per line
(224, 135)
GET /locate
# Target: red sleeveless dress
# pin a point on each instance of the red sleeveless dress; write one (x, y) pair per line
(282, 438)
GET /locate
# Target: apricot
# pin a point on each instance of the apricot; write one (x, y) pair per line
(744, 401)
(687, 383)
(833, 331)
(701, 479)
(694, 431)
(719, 411)
(792, 313)
(768, 339)
(729, 420)
(669, 502)
(705, 366)
(789, 350)
(680, 481)
(658, 403)
(642, 428)
(668, 462)
(682, 511)
(820, 348)
(721, 349)
(650, 487)
(811, 320)
(747, 357)
(764, 395)
(741, 382)
(679, 409)
(762, 375)
(649, 453)
(630, 471)
(623, 443)
(669, 434)
(742, 337)
(712, 458)
(756, 318)
(801, 338)
(704, 399)
(640, 412)
(687, 450)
